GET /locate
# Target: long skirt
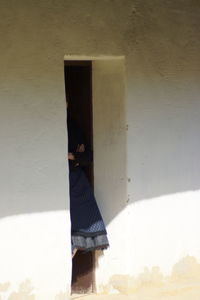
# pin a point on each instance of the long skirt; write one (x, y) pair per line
(87, 227)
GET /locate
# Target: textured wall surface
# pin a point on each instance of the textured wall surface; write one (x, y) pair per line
(159, 222)
(110, 161)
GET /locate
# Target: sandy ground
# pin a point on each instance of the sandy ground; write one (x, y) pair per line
(184, 295)
(100, 297)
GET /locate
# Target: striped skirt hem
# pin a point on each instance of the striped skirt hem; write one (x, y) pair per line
(90, 243)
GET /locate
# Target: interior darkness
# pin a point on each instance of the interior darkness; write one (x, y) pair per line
(78, 84)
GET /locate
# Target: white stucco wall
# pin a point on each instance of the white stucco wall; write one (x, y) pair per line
(110, 160)
(160, 222)
(34, 215)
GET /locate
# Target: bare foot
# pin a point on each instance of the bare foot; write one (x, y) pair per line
(74, 252)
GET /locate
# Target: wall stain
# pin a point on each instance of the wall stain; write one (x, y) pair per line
(182, 284)
(24, 292)
(62, 296)
(4, 286)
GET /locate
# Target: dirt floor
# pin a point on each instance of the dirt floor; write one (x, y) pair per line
(185, 295)
(101, 297)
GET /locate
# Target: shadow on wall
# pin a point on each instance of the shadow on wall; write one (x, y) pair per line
(165, 157)
(163, 160)
(139, 28)
(33, 173)
(162, 141)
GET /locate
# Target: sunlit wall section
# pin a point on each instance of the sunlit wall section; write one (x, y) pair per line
(33, 256)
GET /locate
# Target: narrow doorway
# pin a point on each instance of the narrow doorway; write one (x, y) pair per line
(78, 84)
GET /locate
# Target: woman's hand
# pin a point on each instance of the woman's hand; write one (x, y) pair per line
(80, 148)
(71, 156)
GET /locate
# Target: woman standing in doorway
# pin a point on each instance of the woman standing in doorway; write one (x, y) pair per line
(88, 231)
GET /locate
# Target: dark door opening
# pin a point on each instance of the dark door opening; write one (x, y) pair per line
(78, 84)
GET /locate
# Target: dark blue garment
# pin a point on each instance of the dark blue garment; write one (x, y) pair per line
(87, 227)
(85, 215)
